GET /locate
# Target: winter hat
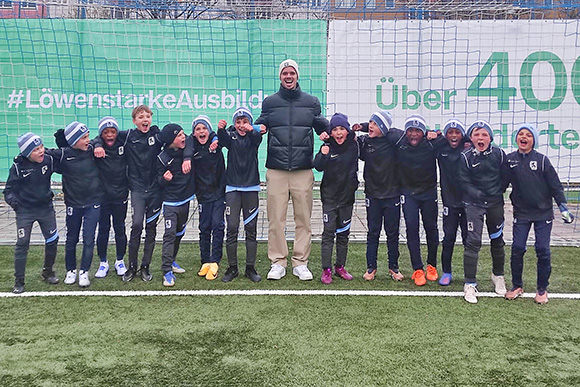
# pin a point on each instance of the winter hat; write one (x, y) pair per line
(416, 121)
(480, 124)
(454, 123)
(74, 131)
(201, 119)
(339, 119)
(169, 132)
(532, 130)
(28, 143)
(383, 119)
(243, 112)
(288, 63)
(108, 122)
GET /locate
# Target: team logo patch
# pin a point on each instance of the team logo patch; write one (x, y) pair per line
(121, 150)
(44, 169)
(151, 141)
(167, 223)
(534, 165)
(325, 218)
(228, 210)
(21, 233)
(469, 226)
(69, 211)
(445, 211)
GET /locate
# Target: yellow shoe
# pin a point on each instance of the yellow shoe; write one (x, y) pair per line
(212, 272)
(204, 269)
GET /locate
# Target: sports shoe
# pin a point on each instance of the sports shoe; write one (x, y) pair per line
(541, 297)
(369, 275)
(514, 293)
(432, 273)
(396, 275)
(71, 277)
(84, 279)
(499, 284)
(276, 272)
(204, 269)
(419, 277)
(169, 279)
(212, 272)
(145, 273)
(445, 279)
(231, 273)
(326, 277)
(103, 270)
(130, 273)
(18, 286)
(176, 268)
(252, 274)
(302, 273)
(341, 272)
(470, 293)
(49, 276)
(120, 267)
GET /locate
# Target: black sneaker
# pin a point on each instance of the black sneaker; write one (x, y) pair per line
(130, 273)
(18, 286)
(145, 274)
(49, 276)
(230, 274)
(252, 274)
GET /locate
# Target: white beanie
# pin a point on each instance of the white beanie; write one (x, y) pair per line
(288, 63)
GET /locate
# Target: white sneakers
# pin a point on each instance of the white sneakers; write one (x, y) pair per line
(103, 270)
(120, 267)
(71, 277)
(84, 279)
(499, 284)
(302, 273)
(470, 293)
(276, 272)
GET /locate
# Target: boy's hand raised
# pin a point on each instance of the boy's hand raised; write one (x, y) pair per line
(263, 129)
(222, 124)
(356, 127)
(186, 166)
(325, 149)
(213, 146)
(168, 175)
(99, 153)
(324, 136)
(431, 135)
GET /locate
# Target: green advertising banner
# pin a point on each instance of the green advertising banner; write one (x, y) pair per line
(54, 71)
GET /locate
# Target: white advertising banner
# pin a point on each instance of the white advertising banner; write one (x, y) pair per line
(506, 72)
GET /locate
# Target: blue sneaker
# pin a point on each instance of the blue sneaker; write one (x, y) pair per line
(176, 268)
(445, 279)
(169, 279)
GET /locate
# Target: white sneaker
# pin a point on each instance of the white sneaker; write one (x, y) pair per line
(103, 270)
(276, 272)
(71, 277)
(84, 279)
(302, 273)
(120, 267)
(499, 283)
(470, 293)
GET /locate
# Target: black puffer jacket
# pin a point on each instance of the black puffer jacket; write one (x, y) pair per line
(28, 183)
(289, 116)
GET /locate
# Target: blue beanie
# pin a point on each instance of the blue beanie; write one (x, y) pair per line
(108, 122)
(242, 112)
(532, 130)
(454, 123)
(28, 142)
(416, 121)
(480, 124)
(74, 131)
(169, 132)
(201, 119)
(339, 119)
(383, 119)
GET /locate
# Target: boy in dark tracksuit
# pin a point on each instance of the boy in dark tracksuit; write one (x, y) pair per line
(113, 171)
(482, 176)
(208, 162)
(338, 159)
(141, 150)
(382, 190)
(178, 191)
(449, 158)
(28, 192)
(418, 171)
(534, 183)
(242, 189)
(83, 195)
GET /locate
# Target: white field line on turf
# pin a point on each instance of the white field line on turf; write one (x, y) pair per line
(258, 292)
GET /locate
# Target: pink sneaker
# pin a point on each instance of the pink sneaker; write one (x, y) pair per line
(342, 273)
(326, 276)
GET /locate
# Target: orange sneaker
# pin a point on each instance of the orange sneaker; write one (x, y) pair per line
(204, 269)
(432, 273)
(369, 275)
(419, 277)
(396, 275)
(212, 272)
(541, 297)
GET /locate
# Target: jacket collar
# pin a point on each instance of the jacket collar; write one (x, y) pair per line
(290, 94)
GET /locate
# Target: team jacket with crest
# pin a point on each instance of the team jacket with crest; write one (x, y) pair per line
(449, 159)
(28, 183)
(242, 170)
(534, 183)
(181, 187)
(209, 168)
(483, 177)
(340, 166)
(113, 170)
